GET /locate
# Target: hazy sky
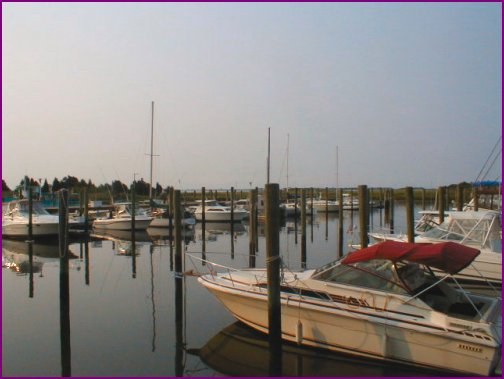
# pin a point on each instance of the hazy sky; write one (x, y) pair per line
(410, 94)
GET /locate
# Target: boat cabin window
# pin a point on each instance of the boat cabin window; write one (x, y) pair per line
(412, 275)
(377, 274)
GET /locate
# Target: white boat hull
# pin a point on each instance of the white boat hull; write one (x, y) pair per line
(361, 330)
(122, 224)
(221, 216)
(38, 229)
(165, 222)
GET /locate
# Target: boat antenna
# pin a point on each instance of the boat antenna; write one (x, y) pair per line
(287, 164)
(268, 160)
(151, 151)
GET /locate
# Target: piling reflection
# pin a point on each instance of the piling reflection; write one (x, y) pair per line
(238, 350)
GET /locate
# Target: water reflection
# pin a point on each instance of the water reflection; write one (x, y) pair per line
(238, 350)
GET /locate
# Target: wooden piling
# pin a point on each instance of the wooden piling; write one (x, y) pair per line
(392, 226)
(273, 263)
(252, 222)
(340, 223)
(460, 197)
(64, 285)
(86, 210)
(30, 214)
(476, 199)
(178, 232)
(363, 215)
(441, 205)
(410, 214)
(303, 228)
(203, 219)
(133, 213)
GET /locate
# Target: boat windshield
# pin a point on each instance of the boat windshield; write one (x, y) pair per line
(482, 232)
(22, 208)
(377, 274)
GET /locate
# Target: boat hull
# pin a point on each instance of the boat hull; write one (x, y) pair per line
(221, 216)
(353, 329)
(38, 229)
(122, 224)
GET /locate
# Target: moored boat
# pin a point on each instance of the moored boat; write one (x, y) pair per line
(382, 302)
(122, 219)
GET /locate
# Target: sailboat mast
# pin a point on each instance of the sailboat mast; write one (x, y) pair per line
(337, 168)
(151, 151)
(287, 164)
(268, 163)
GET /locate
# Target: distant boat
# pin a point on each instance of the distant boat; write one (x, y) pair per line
(162, 220)
(219, 213)
(15, 220)
(122, 219)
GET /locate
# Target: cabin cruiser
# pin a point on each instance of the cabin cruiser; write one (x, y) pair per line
(122, 218)
(324, 206)
(220, 213)
(162, 219)
(15, 220)
(381, 302)
(477, 229)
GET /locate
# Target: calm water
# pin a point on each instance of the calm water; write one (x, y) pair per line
(128, 317)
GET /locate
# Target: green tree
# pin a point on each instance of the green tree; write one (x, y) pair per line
(5, 187)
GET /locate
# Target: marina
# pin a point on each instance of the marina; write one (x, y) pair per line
(130, 312)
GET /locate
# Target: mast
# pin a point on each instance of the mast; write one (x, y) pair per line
(151, 151)
(287, 164)
(268, 163)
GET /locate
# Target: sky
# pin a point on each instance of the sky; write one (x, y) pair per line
(382, 94)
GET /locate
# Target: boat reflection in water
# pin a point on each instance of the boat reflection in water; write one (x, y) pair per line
(16, 255)
(239, 350)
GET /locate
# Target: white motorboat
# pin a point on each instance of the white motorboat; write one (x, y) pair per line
(121, 219)
(480, 230)
(15, 219)
(162, 220)
(382, 302)
(323, 206)
(220, 213)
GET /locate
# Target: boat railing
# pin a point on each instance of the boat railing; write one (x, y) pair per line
(212, 267)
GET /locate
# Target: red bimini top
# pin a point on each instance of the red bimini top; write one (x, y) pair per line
(450, 257)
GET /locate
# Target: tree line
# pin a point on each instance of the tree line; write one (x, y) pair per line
(73, 184)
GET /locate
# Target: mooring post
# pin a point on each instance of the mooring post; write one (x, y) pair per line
(252, 223)
(30, 214)
(232, 206)
(64, 284)
(178, 232)
(273, 269)
(203, 219)
(476, 198)
(392, 227)
(410, 211)
(363, 215)
(441, 205)
(303, 228)
(387, 206)
(86, 210)
(171, 207)
(340, 223)
(133, 212)
(460, 197)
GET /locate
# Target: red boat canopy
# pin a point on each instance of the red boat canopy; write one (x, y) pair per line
(450, 257)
